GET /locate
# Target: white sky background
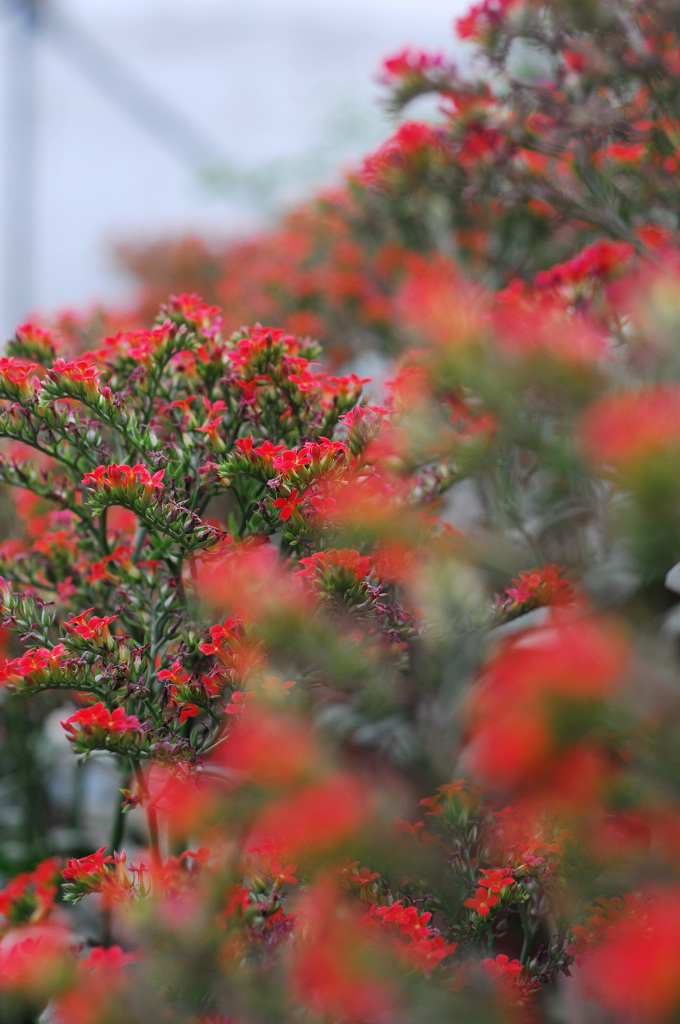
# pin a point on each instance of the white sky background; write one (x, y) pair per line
(285, 88)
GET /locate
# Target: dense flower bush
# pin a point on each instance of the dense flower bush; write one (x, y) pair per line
(389, 684)
(566, 138)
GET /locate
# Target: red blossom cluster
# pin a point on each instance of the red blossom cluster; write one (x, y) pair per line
(537, 588)
(516, 707)
(126, 478)
(97, 727)
(35, 667)
(18, 377)
(424, 947)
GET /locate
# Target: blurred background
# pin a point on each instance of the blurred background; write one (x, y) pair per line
(134, 120)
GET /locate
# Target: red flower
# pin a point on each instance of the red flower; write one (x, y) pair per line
(319, 816)
(501, 967)
(573, 661)
(538, 587)
(207, 319)
(634, 974)
(341, 564)
(287, 506)
(18, 377)
(266, 861)
(495, 879)
(125, 481)
(175, 675)
(94, 629)
(601, 259)
(249, 387)
(96, 727)
(482, 902)
(627, 428)
(35, 667)
(411, 63)
(290, 460)
(79, 369)
(222, 636)
(364, 877)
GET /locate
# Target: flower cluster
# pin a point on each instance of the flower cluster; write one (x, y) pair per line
(424, 947)
(35, 668)
(97, 873)
(97, 728)
(535, 589)
(125, 482)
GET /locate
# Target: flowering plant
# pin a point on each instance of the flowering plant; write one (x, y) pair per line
(389, 688)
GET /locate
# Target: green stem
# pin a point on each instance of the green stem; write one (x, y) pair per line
(107, 931)
(528, 933)
(119, 820)
(141, 534)
(21, 733)
(151, 818)
(102, 532)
